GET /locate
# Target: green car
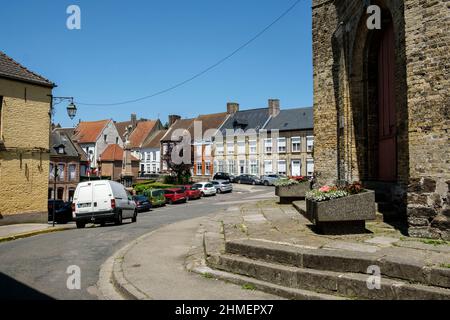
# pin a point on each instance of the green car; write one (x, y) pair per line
(156, 197)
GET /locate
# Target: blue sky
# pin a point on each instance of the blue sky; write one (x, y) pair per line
(129, 49)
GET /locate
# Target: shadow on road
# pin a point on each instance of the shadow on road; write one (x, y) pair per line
(11, 289)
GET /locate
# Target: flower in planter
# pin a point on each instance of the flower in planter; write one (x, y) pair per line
(285, 182)
(326, 193)
(299, 178)
(354, 188)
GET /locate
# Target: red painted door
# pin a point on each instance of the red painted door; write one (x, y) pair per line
(387, 143)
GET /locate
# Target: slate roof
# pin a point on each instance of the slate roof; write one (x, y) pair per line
(59, 139)
(14, 70)
(179, 124)
(141, 132)
(247, 119)
(154, 141)
(114, 152)
(292, 119)
(68, 133)
(88, 132)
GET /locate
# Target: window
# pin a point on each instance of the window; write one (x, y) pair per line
(231, 166)
(241, 147)
(199, 168)
(117, 140)
(61, 150)
(241, 166)
(221, 166)
(71, 194)
(72, 172)
(148, 168)
(61, 176)
(282, 145)
(296, 168)
(207, 168)
(60, 193)
(154, 168)
(268, 145)
(309, 143)
(52, 171)
(230, 147)
(268, 166)
(309, 167)
(105, 137)
(296, 144)
(219, 149)
(254, 168)
(252, 144)
(208, 151)
(198, 152)
(282, 167)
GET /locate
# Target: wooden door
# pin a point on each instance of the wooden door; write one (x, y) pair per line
(387, 142)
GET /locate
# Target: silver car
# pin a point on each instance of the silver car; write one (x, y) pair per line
(222, 186)
(269, 179)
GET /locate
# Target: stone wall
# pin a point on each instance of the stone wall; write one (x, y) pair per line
(24, 160)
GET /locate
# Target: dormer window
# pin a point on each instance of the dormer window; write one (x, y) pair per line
(60, 150)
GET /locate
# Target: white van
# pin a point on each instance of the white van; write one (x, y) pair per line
(102, 201)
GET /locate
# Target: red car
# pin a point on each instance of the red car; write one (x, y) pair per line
(175, 195)
(191, 192)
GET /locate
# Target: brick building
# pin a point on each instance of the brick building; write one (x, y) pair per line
(381, 100)
(111, 163)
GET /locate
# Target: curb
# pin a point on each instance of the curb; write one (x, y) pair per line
(32, 233)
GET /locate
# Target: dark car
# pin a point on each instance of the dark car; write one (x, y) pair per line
(248, 179)
(63, 211)
(223, 176)
(142, 203)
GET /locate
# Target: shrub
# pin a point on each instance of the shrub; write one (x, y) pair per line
(170, 179)
(354, 188)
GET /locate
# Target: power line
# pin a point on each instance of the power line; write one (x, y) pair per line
(199, 74)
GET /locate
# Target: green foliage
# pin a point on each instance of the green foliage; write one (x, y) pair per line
(141, 187)
(317, 195)
(286, 182)
(434, 242)
(248, 286)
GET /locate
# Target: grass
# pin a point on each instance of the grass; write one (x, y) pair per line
(248, 286)
(207, 275)
(434, 242)
(445, 265)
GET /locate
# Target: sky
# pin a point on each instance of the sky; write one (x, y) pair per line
(130, 49)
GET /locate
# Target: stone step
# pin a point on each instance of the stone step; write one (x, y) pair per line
(351, 285)
(252, 283)
(403, 267)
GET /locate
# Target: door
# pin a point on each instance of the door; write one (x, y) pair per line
(296, 168)
(101, 197)
(84, 199)
(387, 128)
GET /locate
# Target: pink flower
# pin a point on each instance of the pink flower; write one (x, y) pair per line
(325, 189)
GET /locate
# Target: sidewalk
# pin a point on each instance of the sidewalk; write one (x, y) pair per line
(18, 231)
(272, 248)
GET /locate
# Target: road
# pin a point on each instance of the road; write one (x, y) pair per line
(36, 267)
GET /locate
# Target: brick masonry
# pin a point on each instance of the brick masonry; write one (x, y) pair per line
(345, 119)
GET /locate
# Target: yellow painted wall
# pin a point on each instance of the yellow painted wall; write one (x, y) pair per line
(24, 165)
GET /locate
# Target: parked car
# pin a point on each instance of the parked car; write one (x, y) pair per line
(224, 176)
(156, 197)
(222, 186)
(142, 203)
(63, 211)
(269, 179)
(206, 188)
(175, 195)
(191, 192)
(248, 179)
(102, 201)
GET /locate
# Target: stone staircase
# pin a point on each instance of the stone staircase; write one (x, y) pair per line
(298, 273)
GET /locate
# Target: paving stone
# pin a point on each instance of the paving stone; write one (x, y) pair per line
(351, 246)
(382, 241)
(254, 218)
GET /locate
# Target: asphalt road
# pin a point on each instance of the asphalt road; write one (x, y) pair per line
(35, 267)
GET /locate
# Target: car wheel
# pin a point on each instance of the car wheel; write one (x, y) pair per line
(81, 225)
(202, 194)
(134, 219)
(219, 191)
(119, 219)
(170, 201)
(102, 223)
(266, 183)
(239, 181)
(254, 183)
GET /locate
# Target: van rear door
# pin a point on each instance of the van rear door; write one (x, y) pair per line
(101, 197)
(84, 199)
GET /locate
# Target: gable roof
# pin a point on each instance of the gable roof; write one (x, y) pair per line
(292, 119)
(114, 152)
(246, 119)
(122, 128)
(59, 139)
(208, 122)
(141, 132)
(179, 124)
(88, 132)
(11, 69)
(154, 141)
(68, 134)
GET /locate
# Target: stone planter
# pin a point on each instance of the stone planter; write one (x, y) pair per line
(293, 192)
(343, 215)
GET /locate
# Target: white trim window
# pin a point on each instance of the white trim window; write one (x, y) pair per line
(72, 172)
(231, 167)
(309, 143)
(219, 149)
(268, 169)
(296, 144)
(254, 167)
(208, 153)
(268, 145)
(221, 166)
(253, 146)
(309, 167)
(282, 167)
(199, 168)
(198, 151)
(242, 167)
(230, 147)
(282, 145)
(241, 147)
(296, 168)
(207, 168)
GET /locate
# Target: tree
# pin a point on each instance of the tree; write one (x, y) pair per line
(179, 166)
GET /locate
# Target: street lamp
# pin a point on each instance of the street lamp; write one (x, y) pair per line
(71, 110)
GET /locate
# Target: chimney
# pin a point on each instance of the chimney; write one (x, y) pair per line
(274, 107)
(173, 118)
(232, 107)
(133, 121)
